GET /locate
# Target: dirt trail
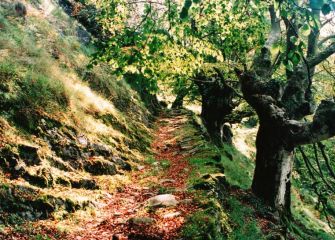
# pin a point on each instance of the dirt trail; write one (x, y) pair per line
(130, 202)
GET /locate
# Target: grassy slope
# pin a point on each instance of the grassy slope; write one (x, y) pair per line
(45, 86)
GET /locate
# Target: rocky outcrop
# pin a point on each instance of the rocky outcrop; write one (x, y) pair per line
(86, 14)
(29, 204)
(29, 154)
(100, 167)
(69, 152)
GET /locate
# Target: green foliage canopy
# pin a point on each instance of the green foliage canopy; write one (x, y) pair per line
(168, 41)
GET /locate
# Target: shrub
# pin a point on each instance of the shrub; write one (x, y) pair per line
(38, 90)
(7, 72)
(8, 77)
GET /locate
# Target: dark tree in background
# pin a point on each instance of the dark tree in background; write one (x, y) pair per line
(218, 100)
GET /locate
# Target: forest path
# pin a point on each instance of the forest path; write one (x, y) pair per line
(128, 214)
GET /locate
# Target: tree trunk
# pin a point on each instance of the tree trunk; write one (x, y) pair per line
(273, 168)
(217, 102)
(213, 115)
(179, 101)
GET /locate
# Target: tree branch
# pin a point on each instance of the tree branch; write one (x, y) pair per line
(262, 64)
(308, 164)
(326, 158)
(322, 41)
(322, 176)
(323, 55)
(321, 198)
(225, 83)
(313, 37)
(145, 2)
(274, 35)
(321, 128)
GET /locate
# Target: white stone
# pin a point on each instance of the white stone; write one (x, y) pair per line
(165, 200)
(172, 215)
(140, 168)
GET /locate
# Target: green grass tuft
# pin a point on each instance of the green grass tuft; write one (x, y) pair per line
(243, 220)
(211, 223)
(238, 168)
(38, 90)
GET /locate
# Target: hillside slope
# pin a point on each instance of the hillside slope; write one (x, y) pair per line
(65, 132)
(81, 153)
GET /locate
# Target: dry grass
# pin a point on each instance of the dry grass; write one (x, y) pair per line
(45, 49)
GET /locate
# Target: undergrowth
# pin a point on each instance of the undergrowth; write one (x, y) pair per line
(241, 212)
(222, 215)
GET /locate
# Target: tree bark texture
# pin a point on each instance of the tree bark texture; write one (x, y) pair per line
(281, 108)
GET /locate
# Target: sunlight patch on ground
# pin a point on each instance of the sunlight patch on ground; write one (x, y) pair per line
(311, 215)
(47, 6)
(244, 139)
(307, 214)
(85, 98)
(196, 108)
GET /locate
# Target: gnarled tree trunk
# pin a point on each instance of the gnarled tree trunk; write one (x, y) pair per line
(273, 168)
(280, 110)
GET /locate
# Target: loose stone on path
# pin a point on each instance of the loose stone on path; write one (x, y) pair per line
(163, 200)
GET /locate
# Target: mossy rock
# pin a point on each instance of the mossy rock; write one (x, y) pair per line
(63, 181)
(69, 152)
(24, 201)
(58, 163)
(211, 182)
(9, 159)
(99, 149)
(100, 167)
(27, 119)
(85, 184)
(110, 119)
(122, 163)
(29, 154)
(39, 181)
(211, 223)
